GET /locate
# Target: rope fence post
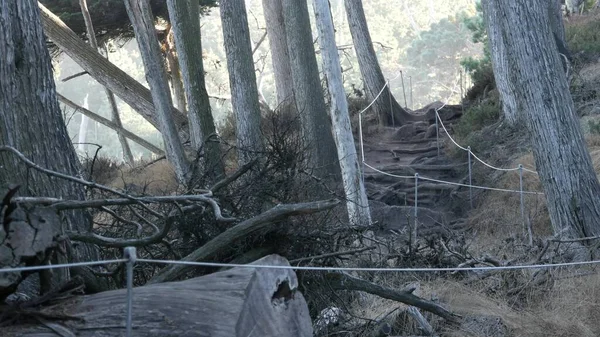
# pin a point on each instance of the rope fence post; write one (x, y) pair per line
(470, 177)
(411, 91)
(413, 234)
(391, 104)
(437, 133)
(403, 89)
(521, 196)
(130, 255)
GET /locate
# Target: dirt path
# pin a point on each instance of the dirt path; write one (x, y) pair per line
(405, 151)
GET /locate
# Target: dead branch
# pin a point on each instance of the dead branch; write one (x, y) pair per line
(246, 228)
(228, 180)
(343, 281)
(108, 123)
(324, 256)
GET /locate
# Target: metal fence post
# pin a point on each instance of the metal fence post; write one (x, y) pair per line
(130, 255)
(470, 178)
(437, 133)
(521, 197)
(416, 196)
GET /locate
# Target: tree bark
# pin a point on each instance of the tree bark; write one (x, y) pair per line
(371, 72)
(185, 21)
(563, 162)
(308, 93)
(498, 54)
(356, 196)
(128, 89)
(242, 79)
(127, 155)
(31, 120)
(142, 20)
(282, 71)
(239, 302)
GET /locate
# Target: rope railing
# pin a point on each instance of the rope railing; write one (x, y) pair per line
(439, 122)
(130, 259)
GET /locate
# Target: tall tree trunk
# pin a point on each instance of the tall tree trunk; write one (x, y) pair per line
(128, 89)
(308, 93)
(31, 120)
(498, 54)
(83, 127)
(127, 155)
(142, 21)
(371, 72)
(185, 21)
(273, 11)
(242, 79)
(563, 162)
(356, 196)
(176, 80)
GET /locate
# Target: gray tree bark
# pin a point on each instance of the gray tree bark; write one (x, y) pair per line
(371, 72)
(563, 162)
(128, 89)
(185, 21)
(176, 80)
(273, 11)
(142, 21)
(127, 155)
(498, 53)
(308, 93)
(31, 120)
(356, 196)
(242, 79)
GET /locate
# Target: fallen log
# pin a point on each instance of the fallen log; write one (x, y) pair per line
(236, 302)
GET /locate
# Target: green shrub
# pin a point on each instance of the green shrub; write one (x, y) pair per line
(583, 33)
(477, 117)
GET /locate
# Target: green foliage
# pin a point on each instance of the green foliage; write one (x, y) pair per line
(583, 34)
(477, 117)
(478, 68)
(594, 127)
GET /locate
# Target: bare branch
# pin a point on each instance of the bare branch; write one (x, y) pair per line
(246, 228)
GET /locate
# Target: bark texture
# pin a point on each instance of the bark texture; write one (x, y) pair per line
(127, 155)
(563, 162)
(185, 21)
(31, 120)
(128, 89)
(273, 11)
(356, 196)
(242, 79)
(371, 72)
(308, 93)
(142, 20)
(498, 54)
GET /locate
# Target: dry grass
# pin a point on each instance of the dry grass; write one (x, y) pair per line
(156, 178)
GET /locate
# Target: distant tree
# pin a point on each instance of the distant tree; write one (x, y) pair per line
(369, 68)
(563, 163)
(282, 71)
(185, 23)
(127, 154)
(31, 121)
(142, 20)
(356, 196)
(308, 93)
(242, 79)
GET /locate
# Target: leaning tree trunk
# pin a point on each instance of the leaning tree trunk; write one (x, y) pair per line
(356, 197)
(242, 79)
(498, 50)
(127, 155)
(369, 68)
(308, 93)
(142, 20)
(31, 121)
(282, 71)
(128, 89)
(563, 162)
(185, 21)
